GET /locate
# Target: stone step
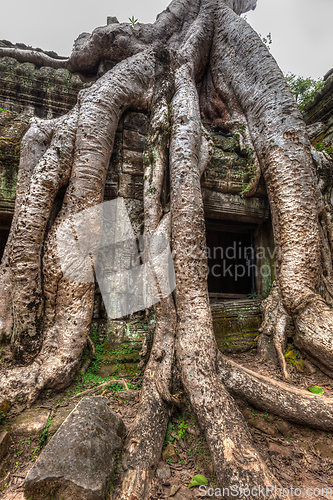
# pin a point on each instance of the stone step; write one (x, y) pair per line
(235, 322)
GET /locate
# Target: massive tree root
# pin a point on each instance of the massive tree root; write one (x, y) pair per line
(275, 397)
(199, 59)
(68, 306)
(284, 151)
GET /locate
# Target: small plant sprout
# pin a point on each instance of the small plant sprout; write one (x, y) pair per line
(132, 20)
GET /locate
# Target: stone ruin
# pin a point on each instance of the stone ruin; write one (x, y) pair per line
(239, 229)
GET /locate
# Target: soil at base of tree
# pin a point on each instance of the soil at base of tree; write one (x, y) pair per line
(298, 456)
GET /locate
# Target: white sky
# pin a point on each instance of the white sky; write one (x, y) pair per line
(301, 29)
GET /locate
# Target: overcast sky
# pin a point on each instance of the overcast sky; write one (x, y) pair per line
(301, 29)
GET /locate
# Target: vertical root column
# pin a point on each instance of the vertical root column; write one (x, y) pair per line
(235, 459)
(145, 439)
(50, 174)
(34, 145)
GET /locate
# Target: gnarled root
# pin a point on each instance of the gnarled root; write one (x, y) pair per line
(275, 397)
(284, 151)
(273, 330)
(144, 442)
(34, 145)
(68, 305)
(34, 57)
(234, 457)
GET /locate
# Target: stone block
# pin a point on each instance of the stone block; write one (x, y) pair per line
(30, 422)
(236, 324)
(285, 428)
(77, 463)
(163, 473)
(323, 450)
(266, 427)
(4, 443)
(137, 121)
(275, 449)
(132, 162)
(133, 140)
(112, 20)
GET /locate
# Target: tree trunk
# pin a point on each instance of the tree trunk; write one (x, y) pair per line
(199, 59)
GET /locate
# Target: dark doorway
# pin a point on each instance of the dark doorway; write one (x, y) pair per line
(4, 233)
(231, 260)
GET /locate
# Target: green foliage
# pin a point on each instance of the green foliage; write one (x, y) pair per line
(92, 377)
(132, 20)
(182, 428)
(97, 359)
(323, 147)
(43, 437)
(2, 110)
(304, 89)
(168, 437)
(197, 481)
(316, 390)
(267, 40)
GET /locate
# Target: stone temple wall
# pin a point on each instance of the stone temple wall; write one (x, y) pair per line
(43, 92)
(318, 115)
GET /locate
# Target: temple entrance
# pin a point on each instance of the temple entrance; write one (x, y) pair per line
(231, 260)
(4, 233)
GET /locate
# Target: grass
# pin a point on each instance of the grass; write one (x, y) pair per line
(44, 435)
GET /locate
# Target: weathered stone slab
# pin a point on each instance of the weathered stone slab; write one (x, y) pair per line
(132, 162)
(60, 417)
(226, 206)
(30, 422)
(133, 140)
(43, 92)
(4, 443)
(77, 463)
(236, 324)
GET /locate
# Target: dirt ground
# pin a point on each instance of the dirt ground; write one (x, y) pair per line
(298, 456)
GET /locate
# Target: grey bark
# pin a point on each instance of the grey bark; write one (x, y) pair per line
(192, 45)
